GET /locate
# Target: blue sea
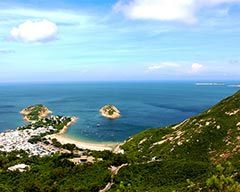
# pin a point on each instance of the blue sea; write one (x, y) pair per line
(143, 105)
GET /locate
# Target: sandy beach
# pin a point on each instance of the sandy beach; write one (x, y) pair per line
(63, 139)
(83, 145)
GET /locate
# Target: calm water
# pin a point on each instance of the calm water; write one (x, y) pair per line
(143, 105)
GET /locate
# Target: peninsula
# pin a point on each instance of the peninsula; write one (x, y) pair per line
(31, 137)
(110, 112)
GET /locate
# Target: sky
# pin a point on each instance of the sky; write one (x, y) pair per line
(119, 40)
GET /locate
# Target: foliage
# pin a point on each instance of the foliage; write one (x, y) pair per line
(51, 173)
(160, 176)
(110, 112)
(111, 158)
(35, 139)
(223, 180)
(56, 143)
(57, 122)
(69, 146)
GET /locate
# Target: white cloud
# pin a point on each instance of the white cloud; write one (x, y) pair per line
(157, 9)
(196, 67)
(164, 65)
(154, 67)
(166, 10)
(178, 68)
(38, 31)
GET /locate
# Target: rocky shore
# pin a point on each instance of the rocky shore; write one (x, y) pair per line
(110, 112)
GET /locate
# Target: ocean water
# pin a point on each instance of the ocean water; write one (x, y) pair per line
(143, 105)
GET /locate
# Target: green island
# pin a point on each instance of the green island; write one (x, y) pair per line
(110, 111)
(35, 112)
(198, 154)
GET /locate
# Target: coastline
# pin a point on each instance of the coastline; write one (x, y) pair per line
(83, 144)
(64, 129)
(63, 139)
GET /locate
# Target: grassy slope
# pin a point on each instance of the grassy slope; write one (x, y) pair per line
(188, 150)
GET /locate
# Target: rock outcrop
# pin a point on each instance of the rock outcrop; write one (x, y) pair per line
(110, 111)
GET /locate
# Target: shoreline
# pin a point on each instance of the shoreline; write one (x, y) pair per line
(83, 144)
(63, 139)
(64, 129)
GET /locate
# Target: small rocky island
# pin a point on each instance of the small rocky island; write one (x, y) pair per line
(35, 112)
(110, 111)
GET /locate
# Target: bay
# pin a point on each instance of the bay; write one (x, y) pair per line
(143, 105)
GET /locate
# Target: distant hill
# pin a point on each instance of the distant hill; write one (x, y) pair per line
(163, 159)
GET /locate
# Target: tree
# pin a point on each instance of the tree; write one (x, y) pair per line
(224, 180)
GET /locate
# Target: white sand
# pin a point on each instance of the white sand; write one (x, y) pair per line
(80, 144)
(83, 145)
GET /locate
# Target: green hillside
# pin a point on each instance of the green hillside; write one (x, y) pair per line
(163, 159)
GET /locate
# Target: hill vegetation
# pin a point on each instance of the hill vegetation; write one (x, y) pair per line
(165, 159)
(51, 173)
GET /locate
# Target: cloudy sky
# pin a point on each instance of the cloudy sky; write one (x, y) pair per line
(111, 40)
